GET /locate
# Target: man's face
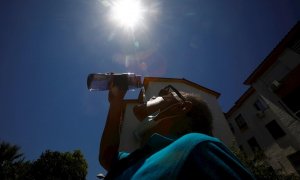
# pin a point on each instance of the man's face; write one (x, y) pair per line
(167, 97)
(169, 117)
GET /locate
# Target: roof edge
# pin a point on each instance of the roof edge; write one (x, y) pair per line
(273, 56)
(185, 81)
(240, 101)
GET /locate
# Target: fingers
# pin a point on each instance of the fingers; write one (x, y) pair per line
(115, 93)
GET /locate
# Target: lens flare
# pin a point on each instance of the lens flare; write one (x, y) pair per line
(127, 13)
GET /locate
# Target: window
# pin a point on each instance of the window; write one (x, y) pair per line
(295, 160)
(241, 148)
(289, 91)
(231, 127)
(260, 105)
(295, 45)
(292, 100)
(240, 121)
(254, 145)
(275, 130)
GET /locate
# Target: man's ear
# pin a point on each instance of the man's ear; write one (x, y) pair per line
(187, 106)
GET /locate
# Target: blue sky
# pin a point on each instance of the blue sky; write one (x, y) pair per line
(47, 49)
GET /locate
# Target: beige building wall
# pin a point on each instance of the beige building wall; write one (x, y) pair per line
(287, 61)
(276, 150)
(276, 82)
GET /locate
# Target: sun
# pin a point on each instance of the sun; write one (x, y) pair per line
(127, 13)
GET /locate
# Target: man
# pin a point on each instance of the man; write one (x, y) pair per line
(177, 143)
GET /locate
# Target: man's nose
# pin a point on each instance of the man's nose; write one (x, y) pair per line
(152, 98)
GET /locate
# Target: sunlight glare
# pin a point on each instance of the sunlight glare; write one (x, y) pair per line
(127, 13)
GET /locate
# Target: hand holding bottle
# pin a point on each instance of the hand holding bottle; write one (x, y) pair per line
(116, 93)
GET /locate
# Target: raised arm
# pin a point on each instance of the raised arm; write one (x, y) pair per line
(111, 135)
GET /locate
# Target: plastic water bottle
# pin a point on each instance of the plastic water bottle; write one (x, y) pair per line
(125, 81)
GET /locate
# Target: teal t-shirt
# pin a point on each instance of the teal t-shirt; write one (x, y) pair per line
(192, 156)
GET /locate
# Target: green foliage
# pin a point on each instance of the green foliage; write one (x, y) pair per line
(260, 167)
(50, 165)
(10, 153)
(12, 164)
(57, 165)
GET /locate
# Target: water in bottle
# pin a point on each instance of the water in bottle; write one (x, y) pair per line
(101, 81)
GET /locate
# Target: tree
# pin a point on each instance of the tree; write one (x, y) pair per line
(57, 165)
(50, 165)
(260, 167)
(12, 164)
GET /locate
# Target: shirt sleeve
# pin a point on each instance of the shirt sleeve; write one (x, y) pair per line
(213, 160)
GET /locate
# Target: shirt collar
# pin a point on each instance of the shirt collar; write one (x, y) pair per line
(158, 141)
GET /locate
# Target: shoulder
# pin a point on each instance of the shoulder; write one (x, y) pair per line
(197, 137)
(211, 159)
(205, 144)
(191, 140)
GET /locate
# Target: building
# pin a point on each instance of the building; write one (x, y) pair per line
(152, 85)
(267, 116)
